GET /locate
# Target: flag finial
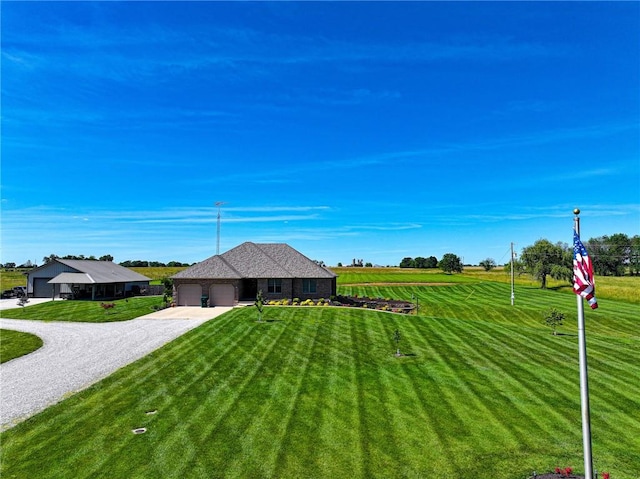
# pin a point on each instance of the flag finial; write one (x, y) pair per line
(576, 211)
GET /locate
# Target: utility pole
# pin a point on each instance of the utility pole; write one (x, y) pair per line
(218, 204)
(513, 294)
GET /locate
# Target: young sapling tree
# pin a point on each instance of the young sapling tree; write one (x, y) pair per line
(397, 339)
(554, 318)
(259, 305)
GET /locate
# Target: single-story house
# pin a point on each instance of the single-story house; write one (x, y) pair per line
(84, 279)
(276, 269)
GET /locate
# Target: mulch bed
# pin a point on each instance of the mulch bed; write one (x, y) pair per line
(394, 305)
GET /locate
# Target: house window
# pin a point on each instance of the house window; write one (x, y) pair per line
(308, 285)
(274, 285)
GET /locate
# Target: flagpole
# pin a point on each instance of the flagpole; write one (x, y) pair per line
(584, 379)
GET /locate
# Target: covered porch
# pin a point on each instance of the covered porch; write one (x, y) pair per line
(83, 286)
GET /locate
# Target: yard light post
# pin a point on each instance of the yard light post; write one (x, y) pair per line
(513, 294)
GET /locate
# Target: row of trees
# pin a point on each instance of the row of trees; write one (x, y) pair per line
(51, 257)
(152, 264)
(610, 255)
(613, 255)
(450, 263)
(419, 262)
(126, 264)
(26, 265)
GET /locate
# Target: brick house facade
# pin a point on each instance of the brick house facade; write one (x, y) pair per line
(276, 269)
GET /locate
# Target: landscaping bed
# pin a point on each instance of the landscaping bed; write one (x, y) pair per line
(382, 304)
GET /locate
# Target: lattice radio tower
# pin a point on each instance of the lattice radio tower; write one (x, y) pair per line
(218, 204)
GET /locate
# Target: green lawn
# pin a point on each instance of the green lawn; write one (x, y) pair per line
(398, 275)
(484, 391)
(14, 344)
(623, 288)
(86, 311)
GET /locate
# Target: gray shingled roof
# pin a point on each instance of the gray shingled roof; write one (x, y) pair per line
(214, 267)
(253, 260)
(104, 271)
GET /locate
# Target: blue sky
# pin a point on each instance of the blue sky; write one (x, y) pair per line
(366, 130)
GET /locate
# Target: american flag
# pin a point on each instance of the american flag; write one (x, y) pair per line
(583, 283)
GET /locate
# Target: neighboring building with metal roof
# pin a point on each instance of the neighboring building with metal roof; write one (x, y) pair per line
(84, 279)
(276, 269)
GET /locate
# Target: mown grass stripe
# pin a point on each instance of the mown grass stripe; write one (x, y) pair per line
(231, 392)
(297, 360)
(509, 357)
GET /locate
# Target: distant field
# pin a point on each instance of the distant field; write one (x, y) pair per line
(624, 288)
(158, 273)
(11, 278)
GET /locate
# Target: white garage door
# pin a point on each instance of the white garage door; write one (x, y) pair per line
(222, 295)
(189, 294)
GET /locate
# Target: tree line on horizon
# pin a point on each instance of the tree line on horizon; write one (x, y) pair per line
(614, 255)
(107, 257)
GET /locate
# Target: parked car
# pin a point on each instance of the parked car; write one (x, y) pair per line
(15, 292)
(21, 291)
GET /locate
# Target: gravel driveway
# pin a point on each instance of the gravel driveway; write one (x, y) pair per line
(76, 355)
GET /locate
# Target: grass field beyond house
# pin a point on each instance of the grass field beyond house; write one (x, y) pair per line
(483, 391)
(623, 288)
